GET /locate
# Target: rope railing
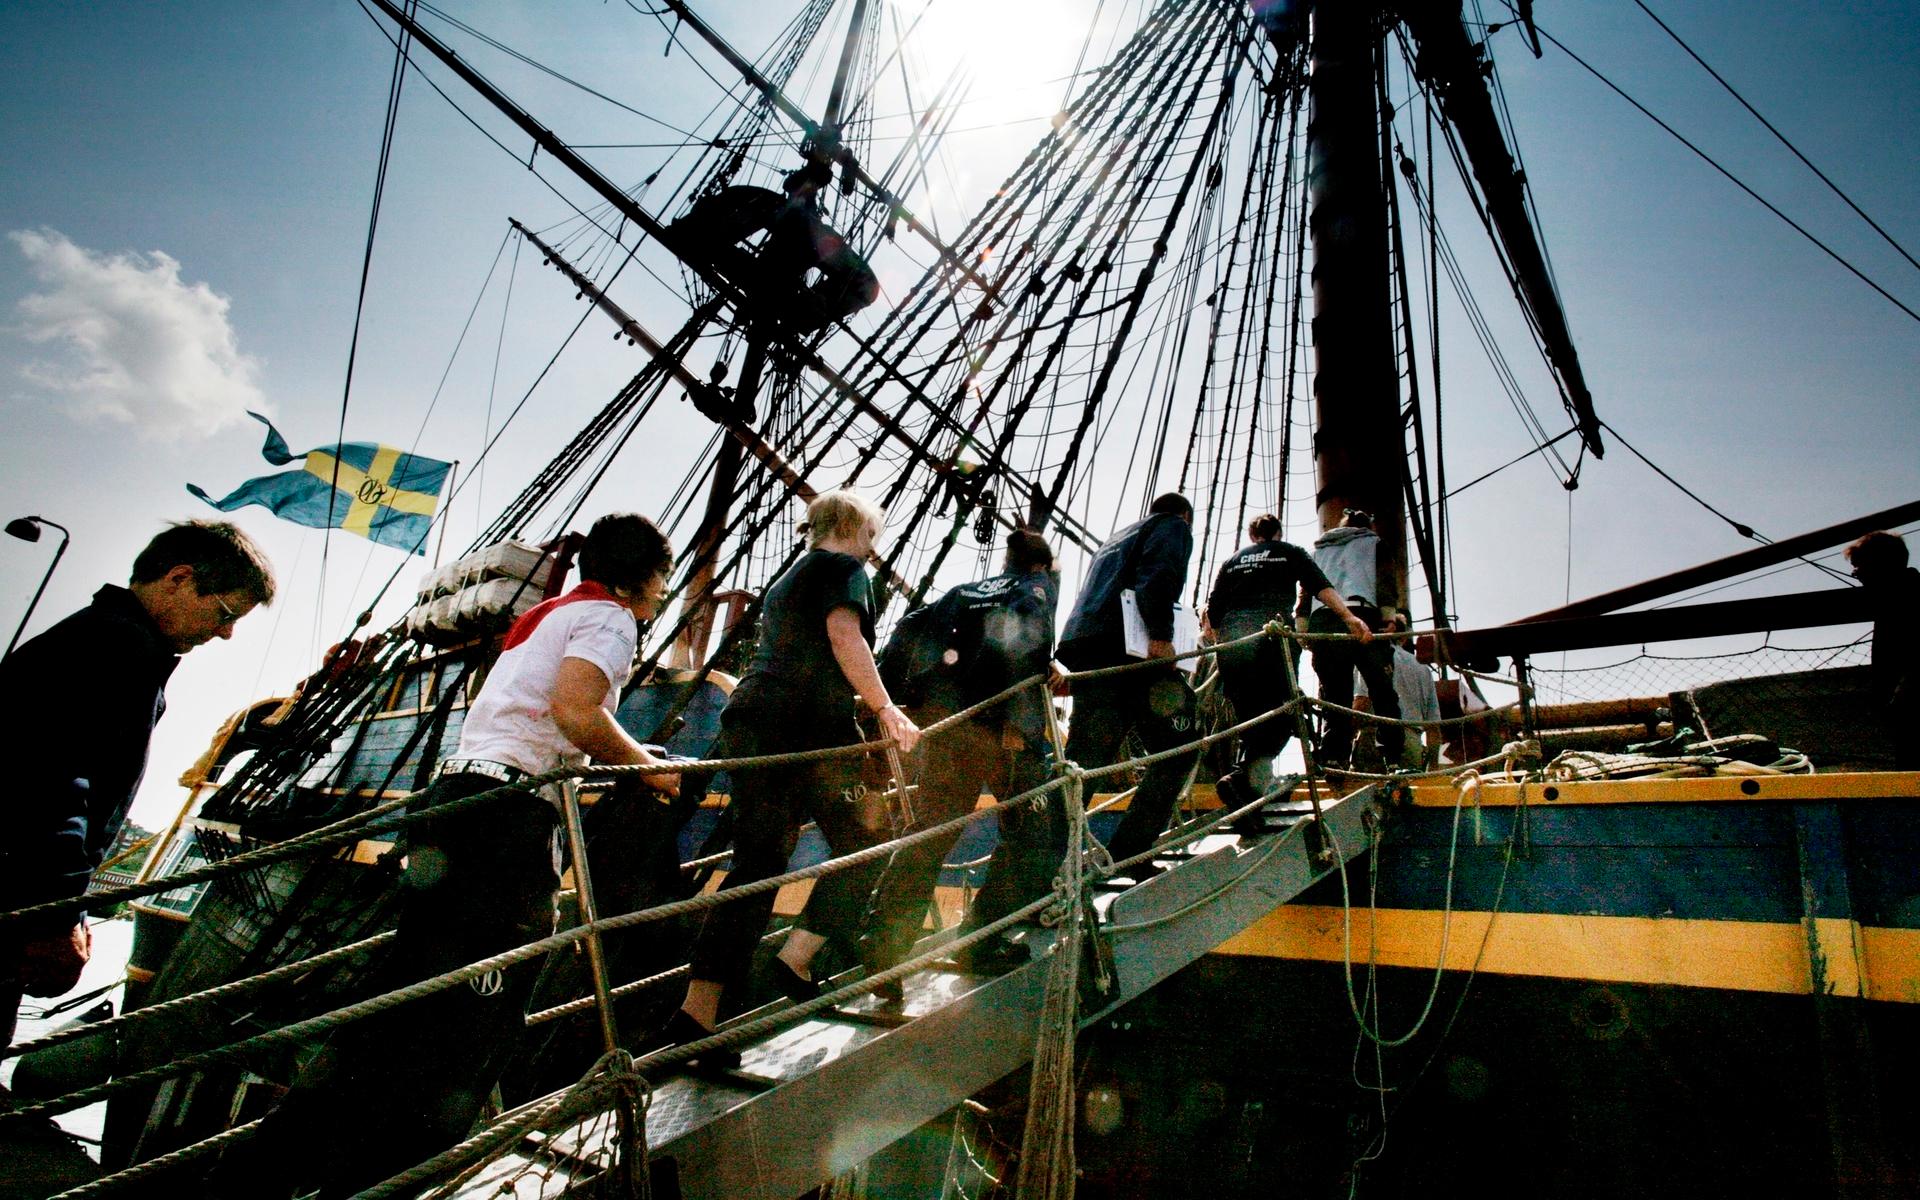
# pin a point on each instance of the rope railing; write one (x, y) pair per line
(225, 991)
(354, 829)
(326, 1022)
(387, 817)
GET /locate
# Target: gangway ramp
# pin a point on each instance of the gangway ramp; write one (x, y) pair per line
(814, 1100)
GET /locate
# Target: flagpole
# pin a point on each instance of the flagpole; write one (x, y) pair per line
(453, 470)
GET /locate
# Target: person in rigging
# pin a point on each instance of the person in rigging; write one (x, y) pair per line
(1262, 582)
(798, 240)
(1349, 556)
(476, 883)
(87, 695)
(813, 662)
(1142, 568)
(973, 643)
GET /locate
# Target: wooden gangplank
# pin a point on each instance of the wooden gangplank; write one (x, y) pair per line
(814, 1100)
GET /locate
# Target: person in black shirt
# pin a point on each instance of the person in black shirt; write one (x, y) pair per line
(88, 693)
(1880, 564)
(814, 656)
(1149, 559)
(1260, 583)
(1003, 630)
(1349, 555)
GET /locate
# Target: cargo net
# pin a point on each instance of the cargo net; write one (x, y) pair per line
(1815, 699)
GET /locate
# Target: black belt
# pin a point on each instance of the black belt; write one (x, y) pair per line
(481, 766)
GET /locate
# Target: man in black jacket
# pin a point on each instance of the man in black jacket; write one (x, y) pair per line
(1149, 559)
(88, 693)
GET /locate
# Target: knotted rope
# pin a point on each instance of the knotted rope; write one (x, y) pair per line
(1046, 1148)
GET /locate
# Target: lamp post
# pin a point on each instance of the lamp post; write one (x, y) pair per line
(27, 529)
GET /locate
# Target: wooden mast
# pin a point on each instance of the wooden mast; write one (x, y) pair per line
(1357, 451)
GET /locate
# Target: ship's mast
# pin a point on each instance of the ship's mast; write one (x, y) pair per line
(1360, 459)
(1358, 456)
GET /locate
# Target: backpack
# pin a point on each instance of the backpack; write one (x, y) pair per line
(923, 650)
(941, 652)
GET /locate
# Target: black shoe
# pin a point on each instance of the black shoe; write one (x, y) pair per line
(995, 956)
(680, 1029)
(793, 985)
(1233, 790)
(892, 993)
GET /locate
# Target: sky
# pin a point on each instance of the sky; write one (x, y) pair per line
(186, 202)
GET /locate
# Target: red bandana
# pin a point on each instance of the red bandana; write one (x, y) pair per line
(524, 627)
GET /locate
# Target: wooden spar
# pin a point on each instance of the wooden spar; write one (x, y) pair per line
(1800, 610)
(830, 127)
(690, 647)
(813, 129)
(1733, 564)
(1359, 457)
(1451, 64)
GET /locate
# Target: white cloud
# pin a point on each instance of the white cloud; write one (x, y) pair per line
(139, 346)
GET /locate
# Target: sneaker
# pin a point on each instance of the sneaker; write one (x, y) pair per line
(892, 993)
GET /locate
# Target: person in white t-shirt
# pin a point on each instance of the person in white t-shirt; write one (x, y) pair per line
(477, 883)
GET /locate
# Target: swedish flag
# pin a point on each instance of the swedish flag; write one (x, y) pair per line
(383, 493)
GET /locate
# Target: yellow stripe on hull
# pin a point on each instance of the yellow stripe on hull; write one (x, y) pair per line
(1727, 788)
(1748, 956)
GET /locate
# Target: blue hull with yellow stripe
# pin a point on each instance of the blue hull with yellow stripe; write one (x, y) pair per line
(1679, 986)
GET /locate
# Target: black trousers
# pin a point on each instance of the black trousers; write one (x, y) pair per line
(769, 805)
(953, 768)
(1335, 663)
(1157, 704)
(1033, 841)
(1254, 677)
(395, 1089)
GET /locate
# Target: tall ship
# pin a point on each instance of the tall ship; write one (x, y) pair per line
(1646, 920)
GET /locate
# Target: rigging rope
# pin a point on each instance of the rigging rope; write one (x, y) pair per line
(1703, 156)
(1781, 137)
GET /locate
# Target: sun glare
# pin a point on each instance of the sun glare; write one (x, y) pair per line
(1016, 53)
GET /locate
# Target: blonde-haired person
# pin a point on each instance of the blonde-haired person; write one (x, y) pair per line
(815, 655)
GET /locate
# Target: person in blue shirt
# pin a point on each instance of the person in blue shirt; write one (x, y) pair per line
(1148, 558)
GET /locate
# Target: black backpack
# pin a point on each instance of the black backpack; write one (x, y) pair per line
(925, 649)
(941, 653)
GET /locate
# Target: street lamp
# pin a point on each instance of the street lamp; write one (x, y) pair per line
(27, 529)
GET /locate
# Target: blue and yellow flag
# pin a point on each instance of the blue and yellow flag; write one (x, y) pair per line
(383, 493)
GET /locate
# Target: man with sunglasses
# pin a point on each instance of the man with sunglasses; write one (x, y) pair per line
(96, 682)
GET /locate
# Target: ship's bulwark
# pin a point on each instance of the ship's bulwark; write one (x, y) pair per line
(1700, 987)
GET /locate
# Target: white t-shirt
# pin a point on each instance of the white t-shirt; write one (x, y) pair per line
(511, 721)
